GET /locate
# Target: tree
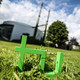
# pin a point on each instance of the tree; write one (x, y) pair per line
(57, 33)
(73, 41)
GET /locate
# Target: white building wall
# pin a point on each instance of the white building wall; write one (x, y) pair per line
(18, 31)
(75, 47)
(39, 35)
(20, 28)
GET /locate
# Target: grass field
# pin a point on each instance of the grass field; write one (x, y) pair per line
(9, 60)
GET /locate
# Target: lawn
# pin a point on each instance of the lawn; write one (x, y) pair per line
(9, 60)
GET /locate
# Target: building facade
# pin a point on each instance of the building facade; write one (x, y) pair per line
(11, 30)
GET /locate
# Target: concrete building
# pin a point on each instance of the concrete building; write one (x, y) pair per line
(75, 47)
(11, 30)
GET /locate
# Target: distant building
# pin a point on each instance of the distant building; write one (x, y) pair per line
(75, 47)
(11, 30)
(71, 46)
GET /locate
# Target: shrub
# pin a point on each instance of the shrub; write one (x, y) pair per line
(48, 44)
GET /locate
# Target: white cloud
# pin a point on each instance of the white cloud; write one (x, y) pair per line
(51, 5)
(73, 24)
(26, 12)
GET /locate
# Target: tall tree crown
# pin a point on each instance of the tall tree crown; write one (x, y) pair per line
(57, 33)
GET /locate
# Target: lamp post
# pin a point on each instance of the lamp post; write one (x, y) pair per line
(35, 30)
(46, 25)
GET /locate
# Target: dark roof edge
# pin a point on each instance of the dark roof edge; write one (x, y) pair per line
(6, 25)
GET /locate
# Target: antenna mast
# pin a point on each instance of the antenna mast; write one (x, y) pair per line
(46, 25)
(35, 30)
(0, 1)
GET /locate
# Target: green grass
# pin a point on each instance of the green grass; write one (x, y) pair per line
(9, 60)
(76, 50)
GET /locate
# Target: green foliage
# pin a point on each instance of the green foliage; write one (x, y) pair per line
(73, 41)
(57, 33)
(9, 62)
(48, 44)
(30, 40)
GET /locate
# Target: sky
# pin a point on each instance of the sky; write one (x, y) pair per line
(26, 11)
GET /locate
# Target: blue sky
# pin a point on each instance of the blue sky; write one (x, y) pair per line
(26, 11)
(69, 5)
